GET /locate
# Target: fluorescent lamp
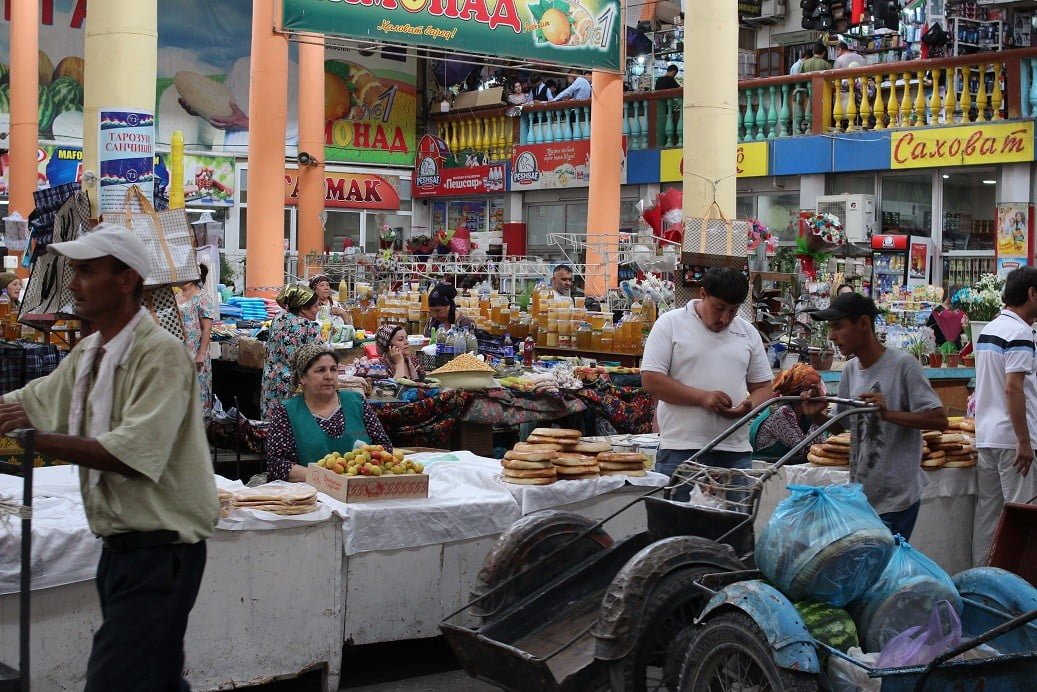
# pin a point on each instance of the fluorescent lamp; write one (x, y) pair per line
(990, 182)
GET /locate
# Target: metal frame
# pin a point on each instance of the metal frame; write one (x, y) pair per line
(10, 679)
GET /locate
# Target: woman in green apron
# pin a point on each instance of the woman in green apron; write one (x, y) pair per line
(778, 429)
(319, 420)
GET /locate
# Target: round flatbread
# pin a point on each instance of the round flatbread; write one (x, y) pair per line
(936, 454)
(933, 464)
(932, 435)
(567, 459)
(579, 476)
(530, 456)
(530, 473)
(951, 438)
(592, 447)
(531, 447)
(953, 448)
(541, 440)
(557, 432)
(623, 457)
(820, 451)
(529, 481)
(630, 472)
(619, 466)
(826, 461)
(835, 450)
(962, 464)
(515, 464)
(577, 470)
(967, 424)
(282, 509)
(842, 439)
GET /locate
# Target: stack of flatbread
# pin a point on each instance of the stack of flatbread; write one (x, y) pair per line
(962, 424)
(951, 448)
(835, 451)
(226, 500)
(622, 464)
(529, 468)
(574, 466)
(278, 499)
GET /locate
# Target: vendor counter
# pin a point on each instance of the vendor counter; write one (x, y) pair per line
(281, 594)
(950, 385)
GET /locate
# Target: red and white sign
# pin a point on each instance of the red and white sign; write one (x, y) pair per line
(455, 182)
(889, 242)
(349, 190)
(555, 165)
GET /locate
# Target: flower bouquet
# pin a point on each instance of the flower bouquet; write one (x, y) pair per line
(421, 246)
(819, 235)
(761, 235)
(386, 237)
(981, 302)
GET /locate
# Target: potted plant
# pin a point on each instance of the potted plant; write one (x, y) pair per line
(821, 352)
(421, 246)
(968, 361)
(950, 354)
(981, 302)
(921, 347)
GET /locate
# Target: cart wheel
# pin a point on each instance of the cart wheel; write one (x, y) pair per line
(671, 608)
(730, 652)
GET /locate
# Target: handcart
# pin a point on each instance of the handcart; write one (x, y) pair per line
(559, 605)
(12, 680)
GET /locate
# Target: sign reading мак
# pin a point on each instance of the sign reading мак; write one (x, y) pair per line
(349, 190)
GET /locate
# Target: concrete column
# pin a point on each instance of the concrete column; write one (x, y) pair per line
(311, 140)
(268, 117)
(121, 40)
(710, 106)
(603, 196)
(25, 80)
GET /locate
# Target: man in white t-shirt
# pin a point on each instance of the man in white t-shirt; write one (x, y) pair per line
(1006, 408)
(707, 367)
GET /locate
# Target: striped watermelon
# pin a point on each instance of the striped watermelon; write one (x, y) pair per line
(47, 112)
(5, 99)
(4, 76)
(828, 624)
(67, 95)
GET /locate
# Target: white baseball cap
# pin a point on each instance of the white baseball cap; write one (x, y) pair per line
(107, 239)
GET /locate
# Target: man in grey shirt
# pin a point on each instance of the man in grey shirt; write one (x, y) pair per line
(886, 447)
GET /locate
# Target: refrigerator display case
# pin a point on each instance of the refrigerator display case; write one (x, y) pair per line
(899, 260)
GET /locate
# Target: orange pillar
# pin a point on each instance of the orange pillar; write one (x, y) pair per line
(603, 198)
(268, 118)
(24, 85)
(311, 140)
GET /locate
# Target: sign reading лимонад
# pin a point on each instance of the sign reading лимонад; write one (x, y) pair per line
(970, 145)
(572, 33)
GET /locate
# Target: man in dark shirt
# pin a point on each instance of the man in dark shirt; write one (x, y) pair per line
(668, 80)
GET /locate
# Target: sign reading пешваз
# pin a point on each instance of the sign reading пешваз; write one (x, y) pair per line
(969, 145)
(573, 33)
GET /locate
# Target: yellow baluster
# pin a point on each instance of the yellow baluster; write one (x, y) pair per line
(880, 104)
(851, 107)
(451, 134)
(982, 100)
(934, 99)
(997, 99)
(488, 134)
(892, 103)
(905, 102)
(504, 143)
(966, 93)
(866, 107)
(951, 98)
(466, 135)
(918, 114)
(837, 105)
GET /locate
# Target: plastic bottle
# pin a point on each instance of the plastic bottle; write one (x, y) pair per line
(5, 305)
(460, 342)
(472, 342)
(441, 343)
(528, 352)
(509, 350)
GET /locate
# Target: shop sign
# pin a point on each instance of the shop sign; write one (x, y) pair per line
(349, 190)
(202, 85)
(571, 33)
(553, 166)
(888, 242)
(750, 8)
(962, 146)
(126, 156)
(208, 180)
(753, 162)
(433, 178)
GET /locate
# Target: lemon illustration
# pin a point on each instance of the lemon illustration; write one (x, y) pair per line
(336, 97)
(554, 24)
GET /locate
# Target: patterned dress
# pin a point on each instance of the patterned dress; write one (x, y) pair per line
(197, 308)
(287, 333)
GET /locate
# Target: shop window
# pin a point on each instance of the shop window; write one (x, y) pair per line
(243, 228)
(907, 204)
(544, 219)
(850, 184)
(779, 213)
(969, 207)
(745, 206)
(378, 223)
(770, 62)
(342, 230)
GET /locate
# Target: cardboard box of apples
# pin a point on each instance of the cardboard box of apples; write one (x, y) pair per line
(368, 473)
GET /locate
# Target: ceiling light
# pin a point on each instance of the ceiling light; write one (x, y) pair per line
(945, 176)
(990, 182)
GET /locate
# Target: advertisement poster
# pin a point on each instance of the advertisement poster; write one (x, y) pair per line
(208, 180)
(919, 261)
(556, 165)
(55, 165)
(202, 87)
(433, 177)
(1006, 265)
(1013, 230)
(126, 156)
(571, 33)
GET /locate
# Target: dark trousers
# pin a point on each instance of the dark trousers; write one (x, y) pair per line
(902, 522)
(146, 595)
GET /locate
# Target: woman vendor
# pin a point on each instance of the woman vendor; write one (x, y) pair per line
(321, 285)
(947, 323)
(443, 312)
(780, 428)
(288, 332)
(318, 421)
(391, 340)
(10, 283)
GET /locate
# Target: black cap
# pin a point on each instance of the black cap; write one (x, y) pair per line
(846, 305)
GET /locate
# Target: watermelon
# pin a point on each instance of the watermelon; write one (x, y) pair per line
(67, 95)
(5, 99)
(4, 76)
(828, 624)
(47, 111)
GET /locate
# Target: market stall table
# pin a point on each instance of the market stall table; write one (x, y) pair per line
(950, 385)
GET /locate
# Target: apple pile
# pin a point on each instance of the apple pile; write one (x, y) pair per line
(370, 460)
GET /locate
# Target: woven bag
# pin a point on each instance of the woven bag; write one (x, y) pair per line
(161, 303)
(714, 234)
(166, 234)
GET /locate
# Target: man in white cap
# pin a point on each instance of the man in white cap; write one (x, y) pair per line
(124, 406)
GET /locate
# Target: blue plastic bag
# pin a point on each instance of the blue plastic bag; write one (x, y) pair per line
(824, 543)
(904, 595)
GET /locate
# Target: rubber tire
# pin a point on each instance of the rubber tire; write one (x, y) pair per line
(676, 591)
(735, 629)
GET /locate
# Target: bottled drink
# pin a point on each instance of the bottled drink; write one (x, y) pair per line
(509, 350)
(471, 342)
(528, 352)
(5, 305)
(460, 342)
(441, 343)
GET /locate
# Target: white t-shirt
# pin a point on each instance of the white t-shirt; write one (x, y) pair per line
(1006, 345)
(683, 348)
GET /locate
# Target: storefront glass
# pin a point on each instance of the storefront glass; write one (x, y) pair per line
(969, 209)
(907, 204)
(850, 184)
(243, 228)
(343, 226)
(477, 215)
(377, 223)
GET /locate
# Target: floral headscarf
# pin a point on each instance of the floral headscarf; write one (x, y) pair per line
(382, 338)
(304, 357)
(294, 297)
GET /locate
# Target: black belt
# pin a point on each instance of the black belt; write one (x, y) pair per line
(133, 540)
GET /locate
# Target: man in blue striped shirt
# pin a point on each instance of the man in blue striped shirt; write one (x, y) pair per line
(1006, 408)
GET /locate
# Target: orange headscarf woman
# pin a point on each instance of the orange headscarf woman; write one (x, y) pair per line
(780, 428)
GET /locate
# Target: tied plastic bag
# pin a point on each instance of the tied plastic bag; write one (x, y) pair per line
(824, 543)
(918, 645)
(905, 594)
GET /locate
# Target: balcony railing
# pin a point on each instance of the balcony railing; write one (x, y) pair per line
(984, 87)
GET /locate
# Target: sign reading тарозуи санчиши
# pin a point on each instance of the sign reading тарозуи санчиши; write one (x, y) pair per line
(571, 33)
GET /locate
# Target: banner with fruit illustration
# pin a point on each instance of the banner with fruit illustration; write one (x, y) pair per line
(203, 82)
(570, 33)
